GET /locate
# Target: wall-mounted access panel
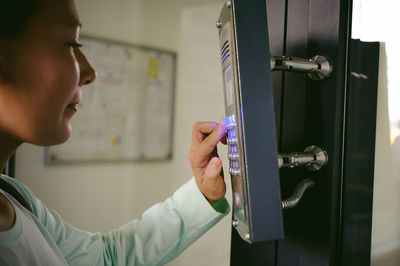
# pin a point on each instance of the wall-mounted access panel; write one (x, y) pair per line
(253, 158)
(250, 119)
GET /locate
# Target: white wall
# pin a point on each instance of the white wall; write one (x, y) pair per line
(99, 197)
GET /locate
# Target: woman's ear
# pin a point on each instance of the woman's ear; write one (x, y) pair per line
(1, 69)
(5, 56)
(2, 64)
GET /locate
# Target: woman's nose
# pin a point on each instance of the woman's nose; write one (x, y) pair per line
(88, 74)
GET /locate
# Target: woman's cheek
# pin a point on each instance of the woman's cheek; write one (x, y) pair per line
(68, 80)
(77, 73)
(68, 71)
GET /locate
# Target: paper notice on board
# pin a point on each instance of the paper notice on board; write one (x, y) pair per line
(154, 68)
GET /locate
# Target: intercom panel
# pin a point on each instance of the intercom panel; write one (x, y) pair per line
(251, 133)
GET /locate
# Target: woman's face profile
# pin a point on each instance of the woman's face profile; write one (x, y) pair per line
(42, 73)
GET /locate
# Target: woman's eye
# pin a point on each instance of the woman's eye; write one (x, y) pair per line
(75, 44)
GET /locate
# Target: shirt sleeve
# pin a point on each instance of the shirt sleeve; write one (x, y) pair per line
(163, 232)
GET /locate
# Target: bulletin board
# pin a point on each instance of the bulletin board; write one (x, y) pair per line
(127, 113)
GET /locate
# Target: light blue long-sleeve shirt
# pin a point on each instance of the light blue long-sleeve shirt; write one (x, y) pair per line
(164, 231)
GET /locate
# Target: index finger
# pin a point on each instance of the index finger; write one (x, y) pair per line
(201, 130)
(209, 143)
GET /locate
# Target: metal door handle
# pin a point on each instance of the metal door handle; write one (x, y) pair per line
(313, 158)
(317, 68)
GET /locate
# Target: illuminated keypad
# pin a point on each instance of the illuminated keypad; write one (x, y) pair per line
(233, 156)
(232, 141)
(231, 121)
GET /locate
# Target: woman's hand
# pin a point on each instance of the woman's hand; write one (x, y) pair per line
(204, 160)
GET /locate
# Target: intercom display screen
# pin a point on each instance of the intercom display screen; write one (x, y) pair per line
(228, 85)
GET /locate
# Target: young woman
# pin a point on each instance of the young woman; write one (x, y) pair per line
(42, 74)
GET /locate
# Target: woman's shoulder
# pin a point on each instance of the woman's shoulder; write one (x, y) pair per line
(7, 214)
(21, 188)
(19, 191)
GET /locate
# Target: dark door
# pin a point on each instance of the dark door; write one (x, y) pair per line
(332, 223)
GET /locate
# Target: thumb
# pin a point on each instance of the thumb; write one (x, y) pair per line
(213, 169)
(213, 185)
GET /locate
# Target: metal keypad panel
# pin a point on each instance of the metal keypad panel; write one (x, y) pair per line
(252, 154)
(233, 125)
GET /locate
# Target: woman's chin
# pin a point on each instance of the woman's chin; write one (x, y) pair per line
(54, 137)
(63, 137)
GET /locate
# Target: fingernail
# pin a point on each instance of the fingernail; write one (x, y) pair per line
(217, 163)
(222, 123)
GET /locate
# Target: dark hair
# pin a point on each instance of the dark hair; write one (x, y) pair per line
(14, 16)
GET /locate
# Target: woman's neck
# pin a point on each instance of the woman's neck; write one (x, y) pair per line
(8, 146)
